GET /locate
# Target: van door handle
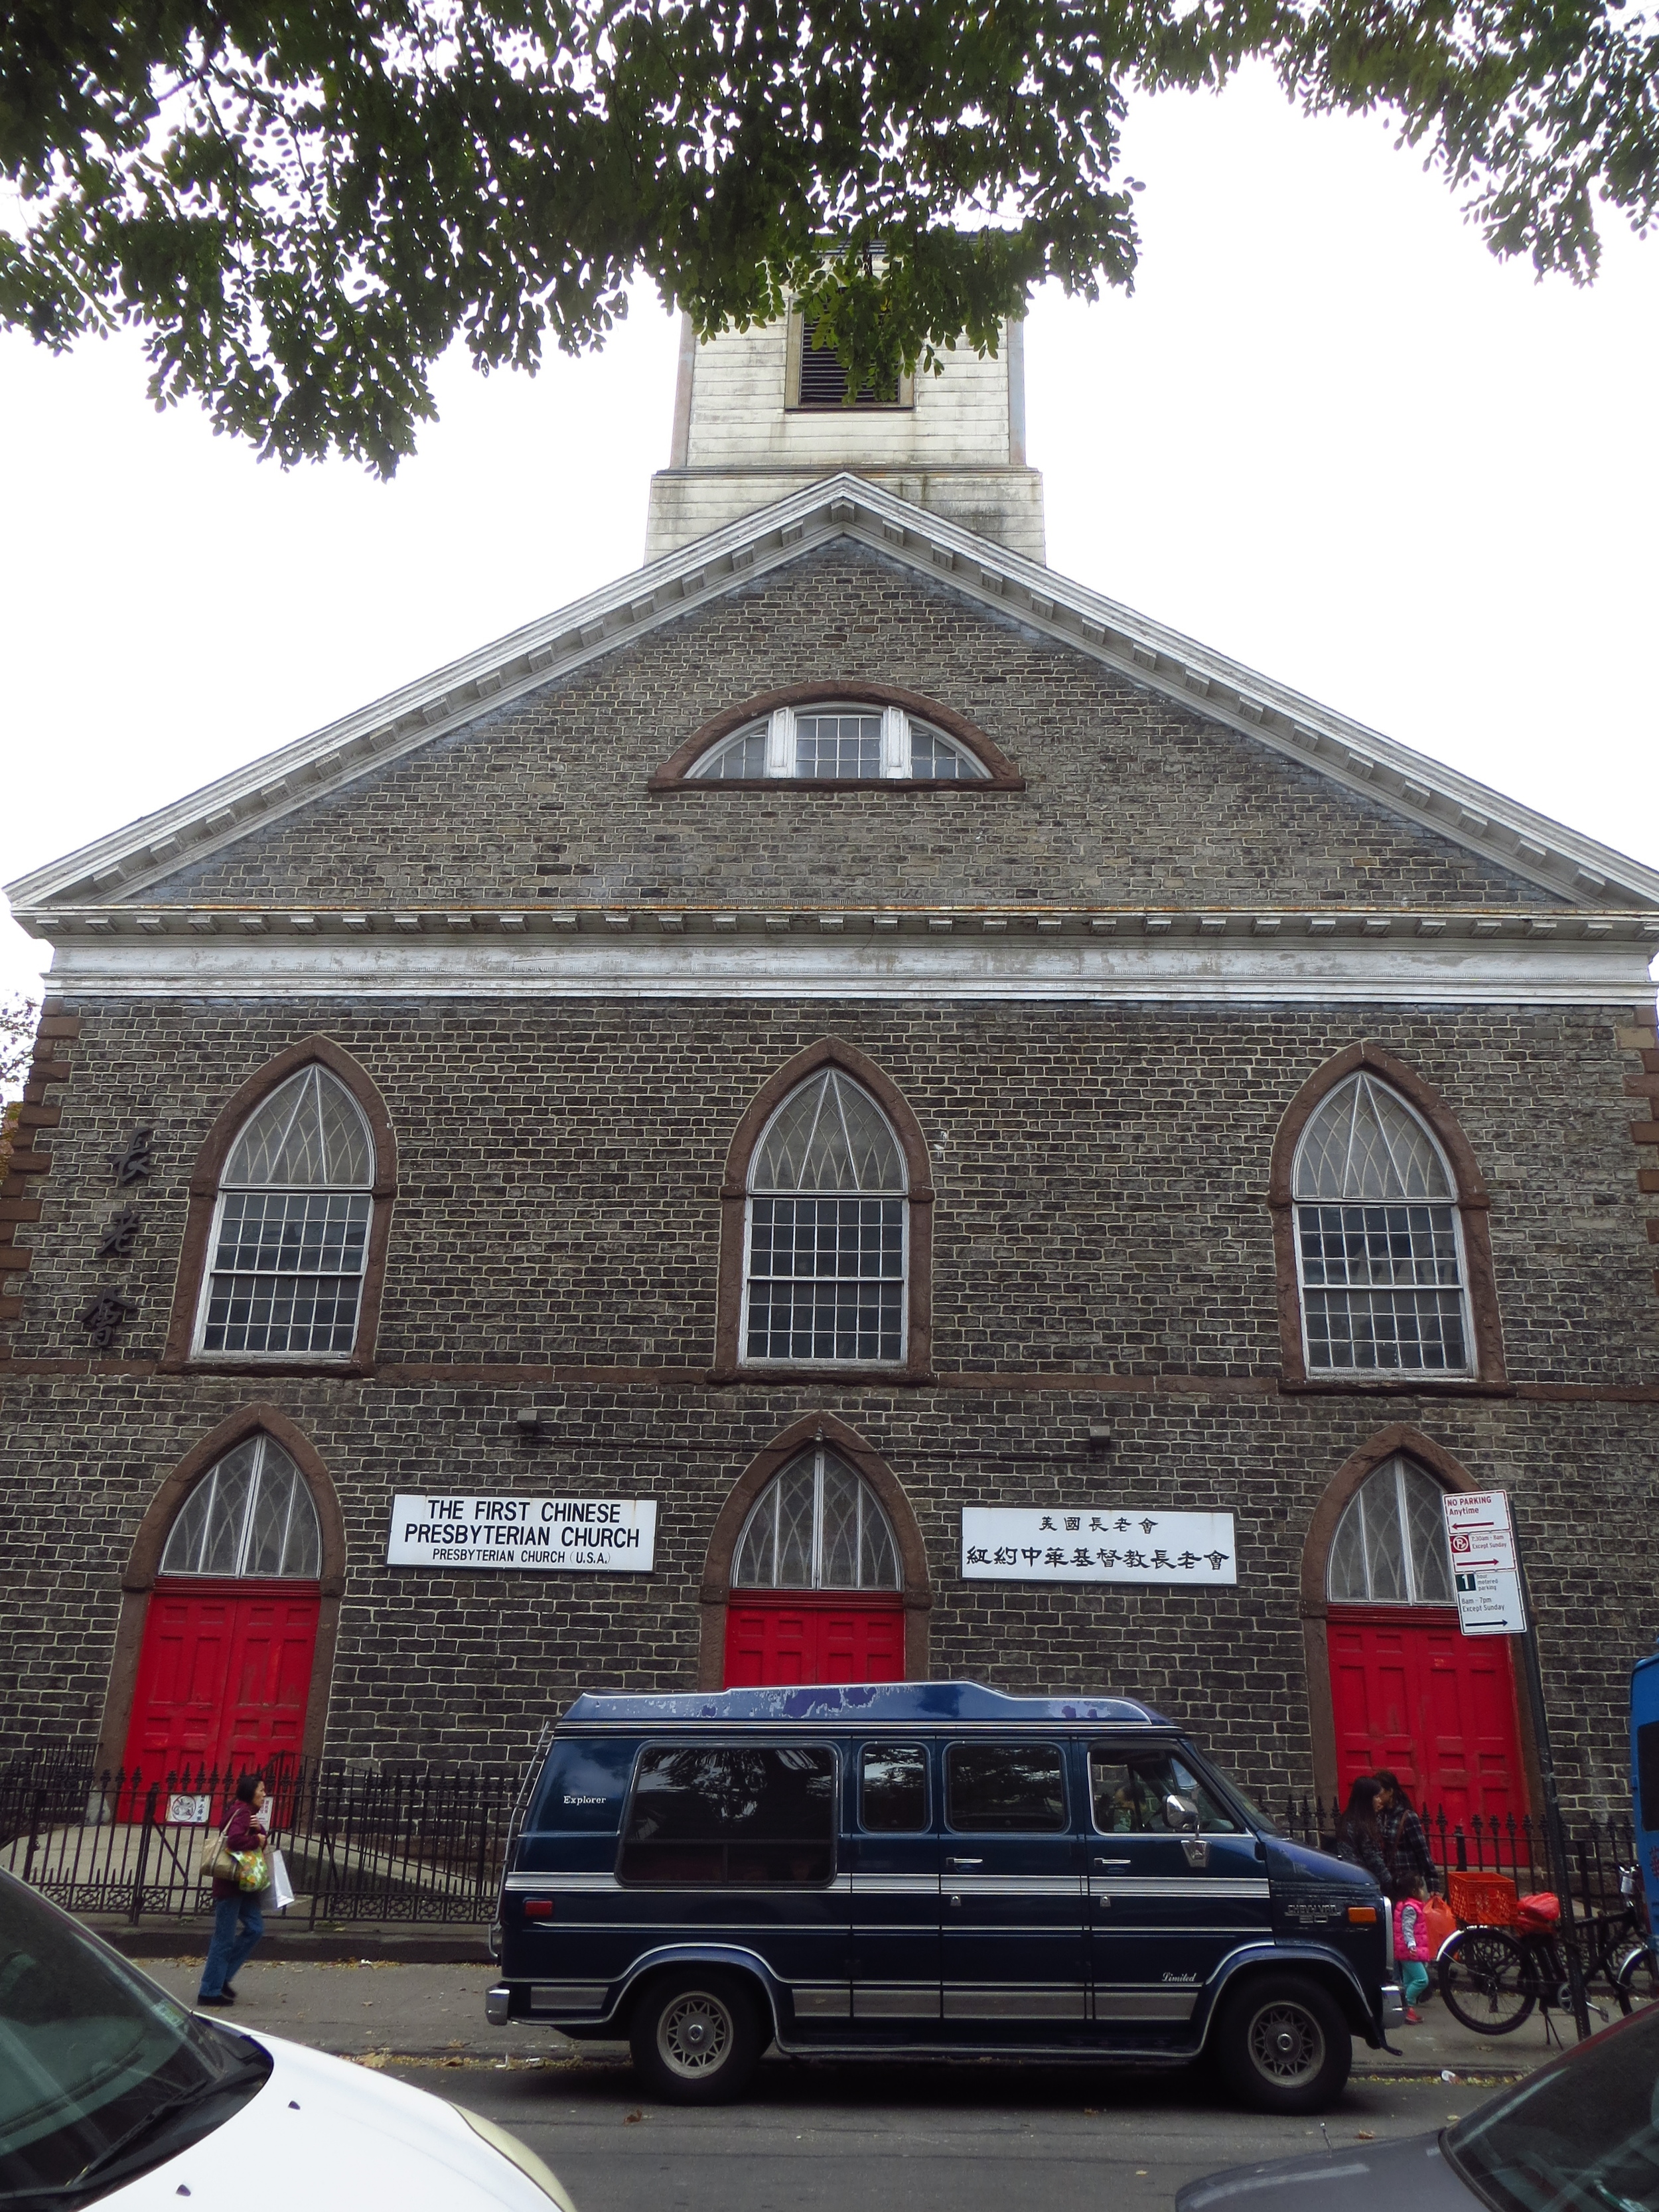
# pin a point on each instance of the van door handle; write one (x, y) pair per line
(1114, 1863)
(963, 1862)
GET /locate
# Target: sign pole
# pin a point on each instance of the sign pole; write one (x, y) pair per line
(1554, 1831)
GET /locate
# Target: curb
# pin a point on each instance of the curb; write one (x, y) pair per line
(462, 1947)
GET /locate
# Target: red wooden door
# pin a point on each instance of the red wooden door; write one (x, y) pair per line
(774, 1640)
(1437, 1708)
(223, 1675)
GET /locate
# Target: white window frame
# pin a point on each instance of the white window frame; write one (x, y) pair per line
(1428, 1376)
(1396, 1466)
(198, 1347)
(897, 756)
(239, 1572)
(866, 1491)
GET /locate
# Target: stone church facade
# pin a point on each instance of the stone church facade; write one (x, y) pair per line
(840, 1030)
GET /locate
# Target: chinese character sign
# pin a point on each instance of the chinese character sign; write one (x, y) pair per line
(1096, 1543)
(1484, 1573)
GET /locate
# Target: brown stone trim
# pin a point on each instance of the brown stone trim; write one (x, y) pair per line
(1315, 1605)
(1473, 1205)
(20, 1158)
(205, 1190)
(857, 690)
(144, 1560)
(827, 1052)
(716, 1589)
(1644, 1043)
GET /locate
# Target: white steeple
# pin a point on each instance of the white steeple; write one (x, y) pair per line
(745, 433)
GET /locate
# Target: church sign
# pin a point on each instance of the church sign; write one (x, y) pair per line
(1096, 1543)
(604, 1535)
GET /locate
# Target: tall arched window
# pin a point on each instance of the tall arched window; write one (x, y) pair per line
(252, 1515)
(816, 1525)
(1390, 1544)
(826, 1232)
(1379, 1244)
(290, 1226)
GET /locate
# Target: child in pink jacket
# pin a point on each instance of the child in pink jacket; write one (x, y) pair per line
(1410, 1944)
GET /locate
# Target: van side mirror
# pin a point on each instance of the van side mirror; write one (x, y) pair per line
(1181, 1814)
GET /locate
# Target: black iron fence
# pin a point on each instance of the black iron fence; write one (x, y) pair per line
(421, 1845)
(1507, 1843)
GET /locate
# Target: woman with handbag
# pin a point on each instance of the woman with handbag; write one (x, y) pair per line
(240, 1876)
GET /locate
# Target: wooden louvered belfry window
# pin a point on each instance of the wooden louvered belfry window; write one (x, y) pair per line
(817, 381)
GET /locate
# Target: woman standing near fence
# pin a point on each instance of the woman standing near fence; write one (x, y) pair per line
(244, 1832)
(1405, 1846)
(1358, 1839)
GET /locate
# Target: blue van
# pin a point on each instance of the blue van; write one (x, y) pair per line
(931, 1868)
(1644, 1775)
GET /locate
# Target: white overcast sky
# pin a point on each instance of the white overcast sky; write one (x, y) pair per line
(1327, 435)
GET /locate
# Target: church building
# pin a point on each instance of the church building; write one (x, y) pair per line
(844, 1108)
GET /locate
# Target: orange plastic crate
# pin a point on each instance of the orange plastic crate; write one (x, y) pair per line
(1483, 1901)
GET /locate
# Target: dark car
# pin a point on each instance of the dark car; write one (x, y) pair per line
(1581, 2135)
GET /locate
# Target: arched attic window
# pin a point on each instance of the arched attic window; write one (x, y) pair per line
(816, 1525)
(290, 1226)
(839, 743)
(251, 1515)
(827, 1232)
(1379, 1243)
(1390, 1544)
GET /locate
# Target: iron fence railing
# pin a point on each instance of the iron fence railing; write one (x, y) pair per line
(423, 1844)
(1507, 1843)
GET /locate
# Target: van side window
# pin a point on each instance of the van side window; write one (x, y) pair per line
(1129, 1793)
(893, 1789)
(709, 1814)
(1005, 1788)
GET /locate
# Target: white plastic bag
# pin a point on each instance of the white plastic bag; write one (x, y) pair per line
(282, 1889)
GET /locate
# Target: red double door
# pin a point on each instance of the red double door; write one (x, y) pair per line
(773, 1639)
(223, 1676)
(1414, 1695)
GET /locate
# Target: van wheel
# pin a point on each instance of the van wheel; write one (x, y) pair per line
(1282, 2046)
(695, 2038)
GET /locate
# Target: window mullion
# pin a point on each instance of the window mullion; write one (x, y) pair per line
(1404, 1519)
(817, 1519)
(895, 756)
(780, 742)
(251, 1507)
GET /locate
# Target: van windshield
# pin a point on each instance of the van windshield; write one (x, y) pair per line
(102, 2075)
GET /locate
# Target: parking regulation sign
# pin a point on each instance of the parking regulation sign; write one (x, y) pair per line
(1485, 1571)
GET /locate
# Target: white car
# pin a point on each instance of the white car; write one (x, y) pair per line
(112, 2092)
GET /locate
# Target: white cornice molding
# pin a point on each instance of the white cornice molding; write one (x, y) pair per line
(1560, 861)
(1423, 958)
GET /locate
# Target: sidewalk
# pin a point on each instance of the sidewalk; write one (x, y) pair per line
(435, 2013)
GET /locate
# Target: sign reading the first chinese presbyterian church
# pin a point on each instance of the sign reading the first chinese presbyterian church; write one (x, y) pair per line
(1096, 1543)
(606, 1535)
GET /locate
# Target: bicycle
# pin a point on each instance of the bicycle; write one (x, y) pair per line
(1492, 1977)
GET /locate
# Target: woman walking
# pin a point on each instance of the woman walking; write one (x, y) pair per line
(238, 1923)
(1405, 1846)
(1358, 1839)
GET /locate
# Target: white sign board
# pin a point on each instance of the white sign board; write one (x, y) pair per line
(1096, 1543)
(604, 1535)
(1484, 1570)
(188, 1811)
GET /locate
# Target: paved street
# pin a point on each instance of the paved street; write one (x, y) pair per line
(923, 2138)
(926, 2137)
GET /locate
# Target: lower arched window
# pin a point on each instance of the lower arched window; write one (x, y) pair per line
(252, 1515)
(816, 1525)
(1390, 1544)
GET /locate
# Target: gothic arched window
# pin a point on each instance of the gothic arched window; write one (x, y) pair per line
(250, 1514)
(290, 1226)
(1390, 1544)
(1379, 1243)
(816, 1525)
(826, 1232)
(839, 743)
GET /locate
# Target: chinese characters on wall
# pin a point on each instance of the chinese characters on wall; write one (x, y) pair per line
(1096, 1543)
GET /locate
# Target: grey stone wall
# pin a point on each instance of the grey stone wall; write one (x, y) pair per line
(1101, 1176)
(467, 1666)
(1130, 799)
(1100, 1171)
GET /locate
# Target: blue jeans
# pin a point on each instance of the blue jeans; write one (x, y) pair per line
(229, 1948)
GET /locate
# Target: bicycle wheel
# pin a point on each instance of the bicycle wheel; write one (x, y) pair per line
(1637, 1980)
(1486, 1981)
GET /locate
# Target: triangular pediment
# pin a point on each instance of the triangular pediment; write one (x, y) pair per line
(122, 867)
